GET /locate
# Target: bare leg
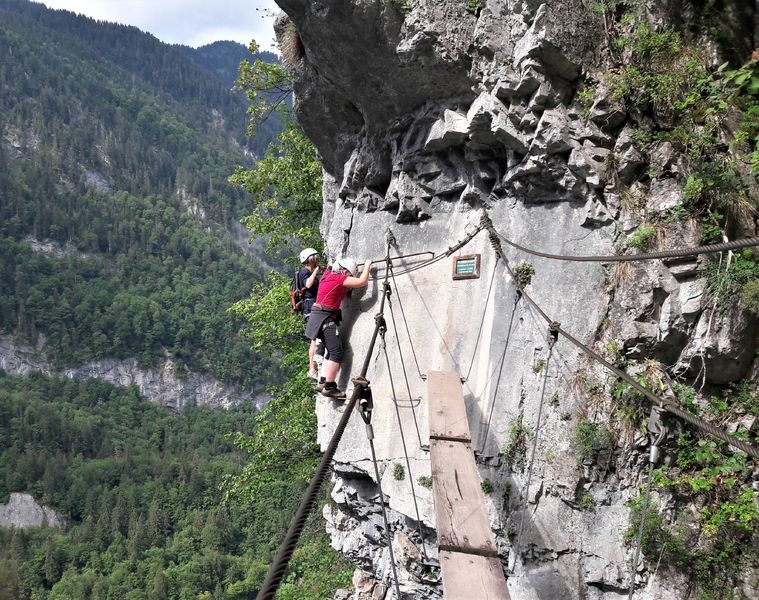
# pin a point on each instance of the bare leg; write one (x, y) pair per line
(312, 367)
(331, 369)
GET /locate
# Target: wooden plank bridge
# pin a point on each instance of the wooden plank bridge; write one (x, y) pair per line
(469, 560)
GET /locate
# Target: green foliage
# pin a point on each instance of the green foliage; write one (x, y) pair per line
(660, 71)
(657, 541)
(284, 443)
(315, 570)
(425, 481)
(473, 6)
(584, 98)
(403, 6)
(553, 401)
(641, 238)
(271, 325)
(515, 448)
(267, 86)
(524, 272)
(539, 365)
(121, 167)
(696, 109)
(589, 440)
(138, 486)
(286, 189)
(399, 472)
(716, 545)
(587, 501)
(487, 486)
(750, 296)
(725, 283)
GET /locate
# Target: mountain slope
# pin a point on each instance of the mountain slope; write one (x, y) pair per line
(115, 151)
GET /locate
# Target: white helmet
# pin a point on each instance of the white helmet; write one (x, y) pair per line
(346, 263)
(306, 254)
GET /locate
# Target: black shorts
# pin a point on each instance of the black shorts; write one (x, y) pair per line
(333, 345)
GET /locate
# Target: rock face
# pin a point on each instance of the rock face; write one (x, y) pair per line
(162, 386)
(426, 120)
(23, 511)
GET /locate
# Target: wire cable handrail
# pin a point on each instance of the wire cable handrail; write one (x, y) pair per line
(665, 404)
(673, 253)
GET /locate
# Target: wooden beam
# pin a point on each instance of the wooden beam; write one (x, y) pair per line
(460, 517)
(446, 407)
(467, 576)
(468, 556)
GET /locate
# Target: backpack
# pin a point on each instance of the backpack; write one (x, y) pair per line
(296, 293)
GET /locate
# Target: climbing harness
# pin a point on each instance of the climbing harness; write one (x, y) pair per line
(279, 565)
(657, 431)
(553, 336)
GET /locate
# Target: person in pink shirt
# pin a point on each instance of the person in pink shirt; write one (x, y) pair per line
(325, 317)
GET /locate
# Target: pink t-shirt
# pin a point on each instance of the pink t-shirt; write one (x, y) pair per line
(331, 290)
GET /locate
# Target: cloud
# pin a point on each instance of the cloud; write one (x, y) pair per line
(191, 22)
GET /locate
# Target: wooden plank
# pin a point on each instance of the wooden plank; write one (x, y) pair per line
(446, 406)
(467, 576)
(460, 517)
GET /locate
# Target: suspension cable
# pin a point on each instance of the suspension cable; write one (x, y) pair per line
(405, 323)
(641, 527)
(517, 296)
(403, 443)
(553, 337)
(366, 407)
(667, 405)
(673, 253)
(405, 375)
(482, 321)
(460, 244)
(279, 565)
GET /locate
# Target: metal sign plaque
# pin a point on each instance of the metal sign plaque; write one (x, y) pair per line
(466, 267)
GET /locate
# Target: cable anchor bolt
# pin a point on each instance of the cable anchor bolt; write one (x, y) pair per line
(365, 398)
(553, 332)
(657, 432)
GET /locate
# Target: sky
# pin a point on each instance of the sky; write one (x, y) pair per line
(190, 22)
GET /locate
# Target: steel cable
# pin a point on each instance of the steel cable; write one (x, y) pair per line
(517, 296)
(641, 527)
(482, 321)
(405, 323)
(287, 547)
(405, 450)
(674, 253)
(665, 404)
(551, 344)
(370, 435)
(405, 375)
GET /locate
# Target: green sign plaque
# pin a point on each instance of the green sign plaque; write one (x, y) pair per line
(466, 267)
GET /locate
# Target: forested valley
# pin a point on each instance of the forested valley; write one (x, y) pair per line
(120, 239)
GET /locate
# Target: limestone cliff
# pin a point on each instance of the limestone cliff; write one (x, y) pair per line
(161, 385)
(23, 511)
(427, 115)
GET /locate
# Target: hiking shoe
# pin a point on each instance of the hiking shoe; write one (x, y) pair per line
(320, 384)
(333, 392)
